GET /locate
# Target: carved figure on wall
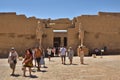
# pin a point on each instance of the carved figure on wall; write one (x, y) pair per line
(39, 33)
(81, 34)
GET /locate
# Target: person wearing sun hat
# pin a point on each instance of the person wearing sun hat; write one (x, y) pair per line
(70, 54)
(12, 59)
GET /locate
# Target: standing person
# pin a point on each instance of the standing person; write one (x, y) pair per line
(49, 50)
(63, 54)
(37, 55)
(27, 62)
(34, 59)
(70, 54)
(42, 61)
(12, 59)
(102, 51)
(96, 50)
(56, 51)
(53, 51)
(81, 54)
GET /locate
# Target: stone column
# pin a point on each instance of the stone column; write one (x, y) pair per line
(39, 33)
(81, 34)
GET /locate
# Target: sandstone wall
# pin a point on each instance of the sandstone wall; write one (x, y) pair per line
(48, 40)
(20, 32)
(16, 31)
(109, 14)
(101, 31)
(60, 24)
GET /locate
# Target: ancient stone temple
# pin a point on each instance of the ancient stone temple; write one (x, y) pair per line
(98, 31)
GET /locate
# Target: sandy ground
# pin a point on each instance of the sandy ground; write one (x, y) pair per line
(106, 68)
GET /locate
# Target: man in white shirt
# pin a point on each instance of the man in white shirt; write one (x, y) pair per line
(63, 54)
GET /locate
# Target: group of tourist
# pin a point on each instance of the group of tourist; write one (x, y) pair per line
(63, 52)
(37, 55)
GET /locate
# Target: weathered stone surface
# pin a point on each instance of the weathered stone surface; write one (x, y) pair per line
(20, 32)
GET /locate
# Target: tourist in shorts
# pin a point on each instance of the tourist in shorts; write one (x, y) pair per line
(63, 54)
(37, 55)
(49, 50)
(12, 59)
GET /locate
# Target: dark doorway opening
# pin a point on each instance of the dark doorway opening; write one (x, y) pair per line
(65, 41)
(57, 41)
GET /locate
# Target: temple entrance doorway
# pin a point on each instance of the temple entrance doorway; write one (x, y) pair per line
(60, 38)
(65, 41)
(57, 41)
(60, 41)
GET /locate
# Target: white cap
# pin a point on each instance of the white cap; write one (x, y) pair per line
(12, 48)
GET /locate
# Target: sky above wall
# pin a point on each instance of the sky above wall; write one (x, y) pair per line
(55, 9)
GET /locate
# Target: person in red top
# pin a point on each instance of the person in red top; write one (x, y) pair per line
(27, 62)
